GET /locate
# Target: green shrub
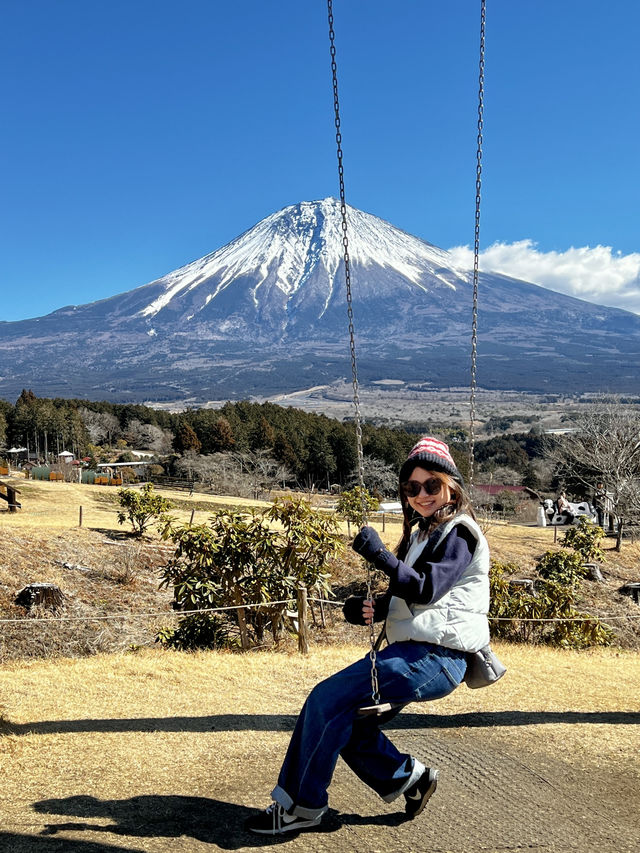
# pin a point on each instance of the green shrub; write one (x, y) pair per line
(524, 613)
(142, 508)
(561, 567)
(199, 631)
(585, 540)
(239, 559)
(355, 504)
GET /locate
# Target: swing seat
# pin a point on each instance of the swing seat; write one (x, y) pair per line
(380, 709)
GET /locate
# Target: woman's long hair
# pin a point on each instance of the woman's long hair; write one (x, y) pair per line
(460, 502)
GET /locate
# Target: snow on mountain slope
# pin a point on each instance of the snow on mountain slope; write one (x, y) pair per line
(296, 242)
(266, 314)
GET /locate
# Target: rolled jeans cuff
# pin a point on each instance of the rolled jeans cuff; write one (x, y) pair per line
(416, 772)
(283, 799)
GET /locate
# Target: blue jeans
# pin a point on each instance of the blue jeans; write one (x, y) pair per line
(329, 725)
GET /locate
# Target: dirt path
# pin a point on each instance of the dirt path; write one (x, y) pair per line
(172, 752)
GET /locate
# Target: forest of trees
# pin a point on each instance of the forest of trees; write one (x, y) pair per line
(244, 446)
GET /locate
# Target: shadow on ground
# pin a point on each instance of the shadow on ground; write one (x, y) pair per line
(211, 821)
(286, 722)
(14, 842)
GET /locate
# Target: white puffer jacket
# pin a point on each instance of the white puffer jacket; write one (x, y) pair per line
(458, 620)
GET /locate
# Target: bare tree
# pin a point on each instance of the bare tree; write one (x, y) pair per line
(101, 426)
(148, 436)
(263, 470)
(379, 478)
(604, 448)
(240, 474)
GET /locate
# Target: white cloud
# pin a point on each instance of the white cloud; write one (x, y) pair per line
(596, 274)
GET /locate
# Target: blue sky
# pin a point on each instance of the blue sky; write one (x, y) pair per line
(139, 135)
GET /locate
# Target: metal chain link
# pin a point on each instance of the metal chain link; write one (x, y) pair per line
(375, 690)
(476, 248)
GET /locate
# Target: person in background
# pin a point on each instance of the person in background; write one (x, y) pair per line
(564, 507)
(599, 502)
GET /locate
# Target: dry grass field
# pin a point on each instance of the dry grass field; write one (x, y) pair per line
(164, 751)
(109, 743)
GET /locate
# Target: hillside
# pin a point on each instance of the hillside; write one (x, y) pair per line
(104, 573)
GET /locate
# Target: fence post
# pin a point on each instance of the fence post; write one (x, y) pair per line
(80, 517)
(303, 638)
(193, 512)
(323, 620)
(383, 522)
(242, 622)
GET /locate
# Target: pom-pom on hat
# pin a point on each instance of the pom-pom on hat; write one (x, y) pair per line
(433, 455)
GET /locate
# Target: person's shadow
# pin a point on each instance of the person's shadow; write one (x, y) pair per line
(208, 820)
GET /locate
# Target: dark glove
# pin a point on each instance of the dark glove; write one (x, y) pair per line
(368, 544)
(352, 609)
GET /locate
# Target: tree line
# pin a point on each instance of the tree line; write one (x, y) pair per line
(263, 443)
(310, 449)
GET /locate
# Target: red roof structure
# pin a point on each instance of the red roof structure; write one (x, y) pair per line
(496, 488)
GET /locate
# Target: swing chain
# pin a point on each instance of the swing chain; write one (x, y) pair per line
(375, 690)
(347, 262)
(476, 246)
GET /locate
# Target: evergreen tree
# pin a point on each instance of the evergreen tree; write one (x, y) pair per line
(186, 439)
(261, 435)
(220, 436)
(285, 453)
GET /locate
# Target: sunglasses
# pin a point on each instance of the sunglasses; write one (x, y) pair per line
(413, 488)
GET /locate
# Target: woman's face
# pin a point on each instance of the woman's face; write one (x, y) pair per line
(423, 503)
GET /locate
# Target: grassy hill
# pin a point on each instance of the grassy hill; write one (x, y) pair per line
(105, 573)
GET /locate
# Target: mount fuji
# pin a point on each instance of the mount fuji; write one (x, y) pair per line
(266, 314)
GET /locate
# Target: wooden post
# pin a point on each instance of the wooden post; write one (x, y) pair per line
(303, 638)
(80, 517)
(383, 522)
(242, 622)
(555, 533)
(323, 620)
(193, 512)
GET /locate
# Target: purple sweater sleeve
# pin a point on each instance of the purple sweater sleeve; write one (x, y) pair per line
(435, 571)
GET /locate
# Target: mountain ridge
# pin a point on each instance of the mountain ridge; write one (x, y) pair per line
(266, 314)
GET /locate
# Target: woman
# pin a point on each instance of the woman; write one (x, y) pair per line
(564, 508)
(435, 610)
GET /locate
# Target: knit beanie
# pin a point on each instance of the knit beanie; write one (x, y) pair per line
(433, 455)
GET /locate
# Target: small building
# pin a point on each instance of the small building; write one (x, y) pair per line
(66, 457)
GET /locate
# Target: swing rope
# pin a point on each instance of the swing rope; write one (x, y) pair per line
(375, 689)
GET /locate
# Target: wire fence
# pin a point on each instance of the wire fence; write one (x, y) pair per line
(323, 601)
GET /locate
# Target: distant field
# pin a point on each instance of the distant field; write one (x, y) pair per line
(402, 403)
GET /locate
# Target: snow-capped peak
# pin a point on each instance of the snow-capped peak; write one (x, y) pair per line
(290, 244)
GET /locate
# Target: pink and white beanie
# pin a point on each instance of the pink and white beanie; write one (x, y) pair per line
(432, 454)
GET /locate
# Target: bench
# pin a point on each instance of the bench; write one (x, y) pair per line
(632, 589)
(8, 494)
